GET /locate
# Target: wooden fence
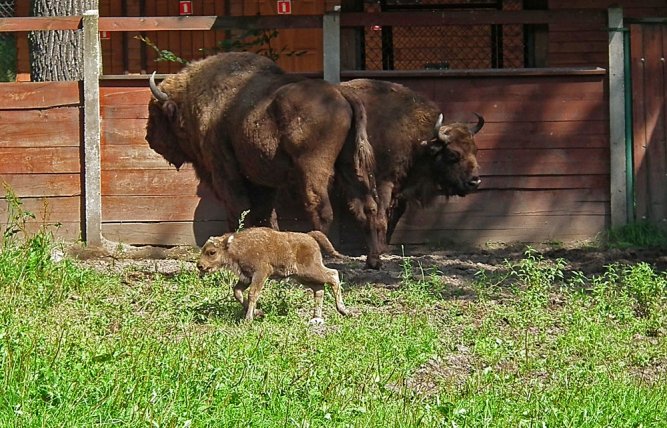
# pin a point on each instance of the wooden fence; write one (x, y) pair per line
(544, 154)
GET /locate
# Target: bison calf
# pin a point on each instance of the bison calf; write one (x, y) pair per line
(258, 253)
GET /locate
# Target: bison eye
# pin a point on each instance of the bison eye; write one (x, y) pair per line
(210, 253)
(452, 157)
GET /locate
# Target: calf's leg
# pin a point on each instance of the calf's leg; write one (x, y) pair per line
(254, 290)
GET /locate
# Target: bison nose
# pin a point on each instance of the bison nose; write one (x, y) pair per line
(474, 182)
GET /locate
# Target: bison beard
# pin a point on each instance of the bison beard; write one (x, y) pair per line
(249, 128)
(417, 157)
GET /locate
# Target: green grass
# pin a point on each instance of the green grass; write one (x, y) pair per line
(639, 234)
(536, 346)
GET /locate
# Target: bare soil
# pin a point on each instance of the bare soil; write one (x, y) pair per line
(456, 267)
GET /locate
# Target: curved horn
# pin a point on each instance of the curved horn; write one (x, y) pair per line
(157, 93)
(438, 124)
(480, 122)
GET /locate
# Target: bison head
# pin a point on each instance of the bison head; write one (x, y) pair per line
(453, 151)
(164, 130)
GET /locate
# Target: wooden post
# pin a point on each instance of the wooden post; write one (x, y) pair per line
(617, 119)
(92, 191)
(331, 34)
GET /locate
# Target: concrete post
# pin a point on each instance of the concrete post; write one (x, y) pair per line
(619, 209)
(92, 191)
(331, 34)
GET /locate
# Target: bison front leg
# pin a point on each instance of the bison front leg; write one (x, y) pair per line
(398, 207)
(254, 290)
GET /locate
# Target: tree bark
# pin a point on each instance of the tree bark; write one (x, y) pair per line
(57, 55)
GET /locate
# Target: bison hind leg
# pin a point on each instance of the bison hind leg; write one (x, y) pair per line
(316, 279)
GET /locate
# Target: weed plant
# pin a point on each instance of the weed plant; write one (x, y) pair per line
(532, 345)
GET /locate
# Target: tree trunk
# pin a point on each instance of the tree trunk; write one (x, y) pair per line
(57, 55)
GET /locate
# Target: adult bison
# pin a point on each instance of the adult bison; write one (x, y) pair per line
(249, 128)
(417, 156)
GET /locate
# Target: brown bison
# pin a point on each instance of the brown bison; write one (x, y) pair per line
(259, 253)
(417, 157)
(249, 128)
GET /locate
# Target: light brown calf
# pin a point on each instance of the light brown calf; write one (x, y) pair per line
(258, 253)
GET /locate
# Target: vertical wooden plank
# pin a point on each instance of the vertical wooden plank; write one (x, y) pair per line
(151, 65)
(209, 36)
(619, 212)
(92, 167)
(661, 144)
(161, 37)
(654, 161)
(639, 120)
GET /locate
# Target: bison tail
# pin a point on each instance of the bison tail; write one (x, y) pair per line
(364, 158)
(324, 243)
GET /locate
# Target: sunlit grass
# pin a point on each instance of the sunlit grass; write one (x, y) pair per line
(536, 345)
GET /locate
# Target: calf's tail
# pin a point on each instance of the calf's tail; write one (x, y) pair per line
(324, 243)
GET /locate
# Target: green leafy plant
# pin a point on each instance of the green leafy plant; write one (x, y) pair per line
(162, 54)
(258, 41)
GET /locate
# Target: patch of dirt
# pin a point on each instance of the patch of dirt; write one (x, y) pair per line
(457, 268)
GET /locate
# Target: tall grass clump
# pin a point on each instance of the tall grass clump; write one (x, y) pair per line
(642, 234)
(30, 260)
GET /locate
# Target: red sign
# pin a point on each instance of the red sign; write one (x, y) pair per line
(284, 7)
(105, 35)
(185, 7)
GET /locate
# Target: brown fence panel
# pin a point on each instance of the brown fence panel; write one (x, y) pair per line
(649, 91)
(40, 131)
(144, 199)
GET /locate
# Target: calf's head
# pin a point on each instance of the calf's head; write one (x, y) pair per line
(214, 254)
(165, 132)
(453, 155)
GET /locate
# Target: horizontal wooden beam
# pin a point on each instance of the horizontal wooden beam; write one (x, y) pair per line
(157, 23)
(268, 22)
(36, 23)
(590, 18)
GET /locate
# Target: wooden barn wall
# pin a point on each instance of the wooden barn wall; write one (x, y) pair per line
(543, 154)
(572, 46)
(40, 130)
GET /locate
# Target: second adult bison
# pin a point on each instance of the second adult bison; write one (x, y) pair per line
(417, 156)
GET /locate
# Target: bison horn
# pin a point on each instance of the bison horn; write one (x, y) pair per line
(480, 122)
(438, 124)
(157, 93)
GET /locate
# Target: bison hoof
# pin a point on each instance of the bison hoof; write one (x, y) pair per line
(373, 263)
